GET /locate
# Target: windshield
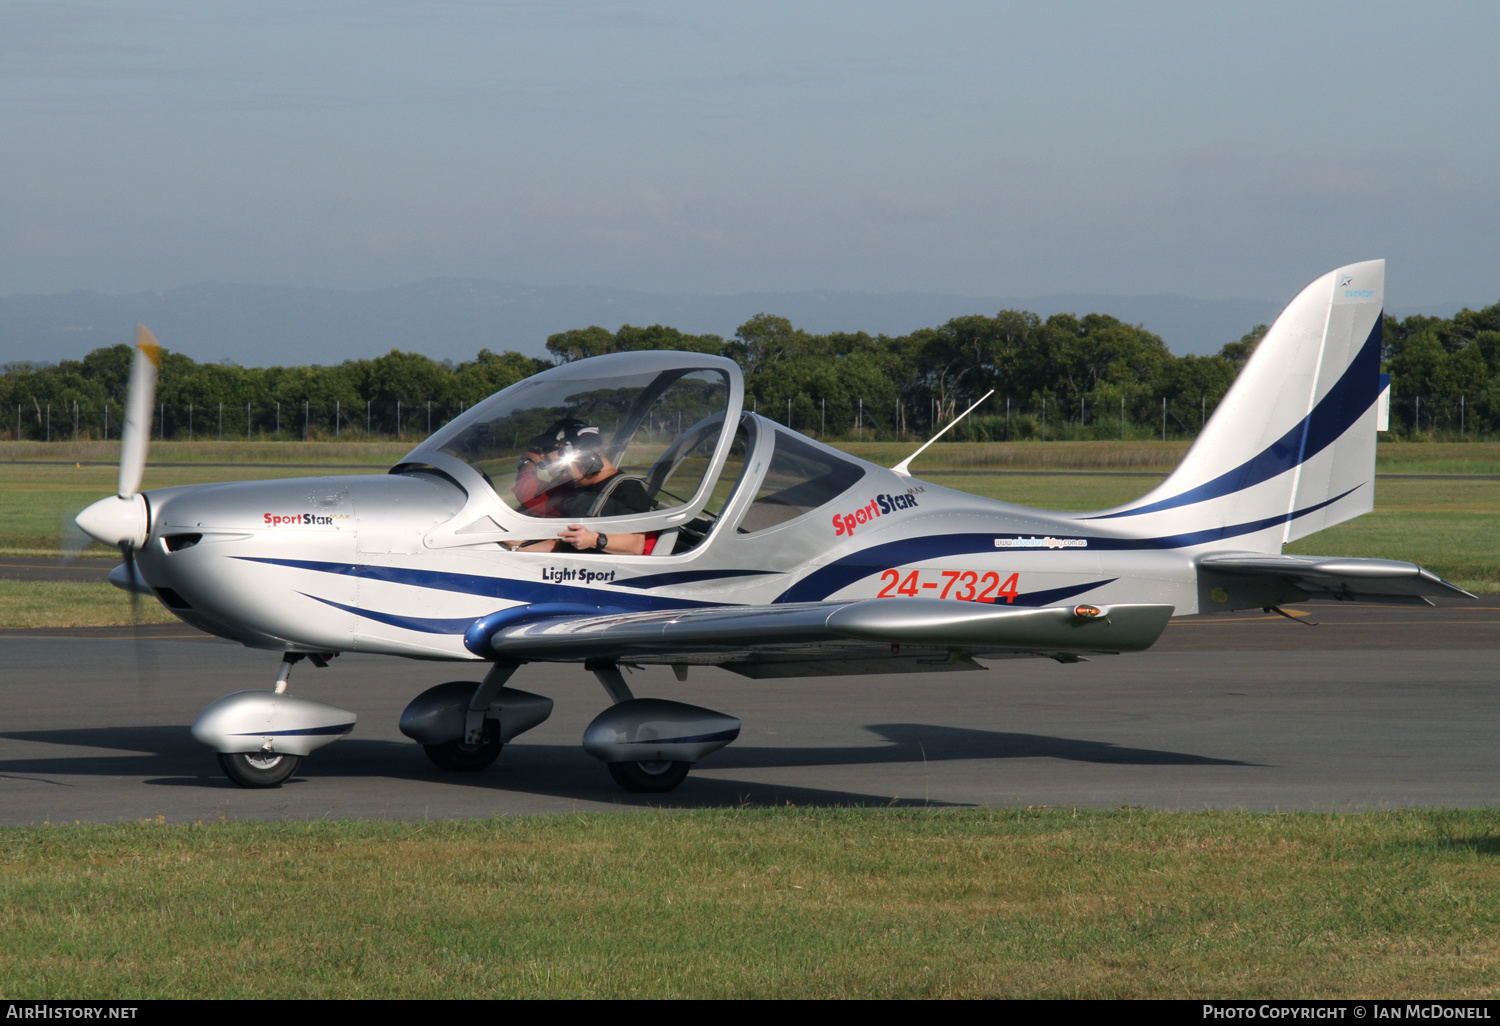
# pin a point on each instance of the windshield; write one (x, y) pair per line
(578, 441)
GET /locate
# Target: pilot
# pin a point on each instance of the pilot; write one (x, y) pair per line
(566, 473)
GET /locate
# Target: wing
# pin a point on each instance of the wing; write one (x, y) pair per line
(1334, 578)
(816, 638)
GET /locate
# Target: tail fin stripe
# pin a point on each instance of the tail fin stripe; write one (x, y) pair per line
(1354, 393)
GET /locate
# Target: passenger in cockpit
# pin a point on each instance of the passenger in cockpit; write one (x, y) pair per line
(566, 473)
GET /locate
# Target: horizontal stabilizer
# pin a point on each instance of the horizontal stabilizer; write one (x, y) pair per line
(834, 630)
(1338, 578)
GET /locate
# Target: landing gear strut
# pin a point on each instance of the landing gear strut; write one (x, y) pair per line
(480, 746)
(463, 725)
(639, 776)
(649, 744)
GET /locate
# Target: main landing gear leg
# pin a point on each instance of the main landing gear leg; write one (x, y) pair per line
(641, 776)
(480, 746)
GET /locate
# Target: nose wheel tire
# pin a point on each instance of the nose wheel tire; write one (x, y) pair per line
(649, 777)
(258, 769)
(456, 755)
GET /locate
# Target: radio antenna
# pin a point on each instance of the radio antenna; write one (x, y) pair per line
(903, 468)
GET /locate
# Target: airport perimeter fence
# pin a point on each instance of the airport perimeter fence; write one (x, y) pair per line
(274, 421)
(1001, 419)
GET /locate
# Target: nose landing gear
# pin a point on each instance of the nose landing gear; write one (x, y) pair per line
(261, 737)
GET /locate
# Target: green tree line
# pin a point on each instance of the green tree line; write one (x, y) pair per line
(1067, 376)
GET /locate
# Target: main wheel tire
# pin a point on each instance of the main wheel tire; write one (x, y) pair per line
(649, 777)
(258, 769)
(456, 755)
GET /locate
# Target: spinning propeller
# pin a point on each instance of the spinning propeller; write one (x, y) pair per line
(124, 520)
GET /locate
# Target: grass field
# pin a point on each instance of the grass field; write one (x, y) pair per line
(72, 604)
(757, 903)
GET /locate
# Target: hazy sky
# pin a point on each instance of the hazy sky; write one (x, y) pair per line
(1214, 150)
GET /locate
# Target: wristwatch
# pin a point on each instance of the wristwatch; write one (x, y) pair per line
(603, 541)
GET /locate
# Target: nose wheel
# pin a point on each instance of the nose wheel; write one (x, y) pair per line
(258, 769)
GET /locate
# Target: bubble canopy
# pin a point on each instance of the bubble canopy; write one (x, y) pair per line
(655, 417)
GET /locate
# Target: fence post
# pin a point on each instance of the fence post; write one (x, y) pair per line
(337, 416)
(1044, 418)
(1163, 418)
(278, 418)
(1122, 418)
(306, 419)
(190, 422)
(221, 422)
(398, 419)
(247, 422)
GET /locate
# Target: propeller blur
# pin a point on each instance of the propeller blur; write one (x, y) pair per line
(626, 510)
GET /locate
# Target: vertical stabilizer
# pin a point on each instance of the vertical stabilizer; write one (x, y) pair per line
(1291, 449)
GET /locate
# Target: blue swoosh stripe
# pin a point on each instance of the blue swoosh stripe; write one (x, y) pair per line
(342, 728)
(841, 573)
(722, 735)
(1346, 401)
(689, 577)
(421, 624)
(504, 588)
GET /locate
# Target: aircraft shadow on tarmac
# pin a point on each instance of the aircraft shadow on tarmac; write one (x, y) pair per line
(564, 771)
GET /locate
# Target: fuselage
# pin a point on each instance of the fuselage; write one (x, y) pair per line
(379, 563)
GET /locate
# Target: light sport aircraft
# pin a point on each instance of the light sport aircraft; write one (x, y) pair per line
(770, 554)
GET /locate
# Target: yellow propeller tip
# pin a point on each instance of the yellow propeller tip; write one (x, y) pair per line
(146, 343)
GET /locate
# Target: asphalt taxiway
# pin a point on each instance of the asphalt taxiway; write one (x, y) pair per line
(1375, 707)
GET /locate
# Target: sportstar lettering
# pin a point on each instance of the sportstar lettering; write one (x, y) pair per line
(303, 519)
(845, 523)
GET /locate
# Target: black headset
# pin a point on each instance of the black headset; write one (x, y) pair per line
(587, 457)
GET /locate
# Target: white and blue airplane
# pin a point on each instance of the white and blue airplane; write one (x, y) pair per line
(747, 546)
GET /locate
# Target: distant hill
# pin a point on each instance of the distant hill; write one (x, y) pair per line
(453, 318)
